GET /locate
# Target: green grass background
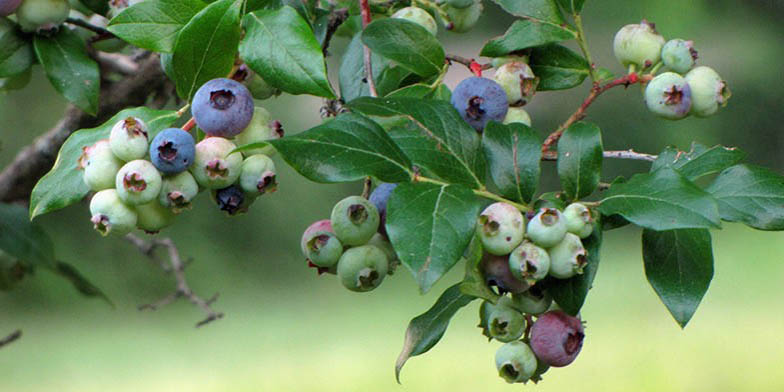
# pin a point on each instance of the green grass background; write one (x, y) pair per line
(288, 330)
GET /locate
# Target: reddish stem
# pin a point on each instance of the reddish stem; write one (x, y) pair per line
(189, 125)
(366, 19)
(476, 68)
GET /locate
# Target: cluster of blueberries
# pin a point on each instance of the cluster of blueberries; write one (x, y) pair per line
(683, 89)
(353, 243)
(517, 257)
(141, 184)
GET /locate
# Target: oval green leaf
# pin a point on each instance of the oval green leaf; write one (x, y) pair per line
(527, 33)
(752, 195)
(580, 155)
(154, 25)
(406, 43)
(513, 153)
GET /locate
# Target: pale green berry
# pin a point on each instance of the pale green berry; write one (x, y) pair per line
(153, 217)
(518, 81)
(464, 19)
(568, 258)
(100, 165)
(708, 91)
(322, 247)
(418, 16)
(547, 228)
(515, 362)
(534, 301)
(497, 62)
(669, 95)
(578, 220)
(529, 262)
(259, 88)
(260, 129)
(258, 175)
(506, 324)
(355, 220)
(128, 139)
(639, 45)
(362, 268)
(110, 215)
(138, 182)
(382, 243)
(500, 227)
(215, 166)
(178, 191)
(42, 15)
(517, 115)
(679, 55)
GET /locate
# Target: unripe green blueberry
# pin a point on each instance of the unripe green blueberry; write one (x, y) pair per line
(382, 243)
(178, 191)
(138, 182)
(515, 362)
(464, 19)
(128, 139)
(497, 62)
(529, 262)
(215, 166)
(519, 82)
(638, 44)
(534, 301)
(578, 220)
(259, 88)
(260, 129)
(496, 272)
(506, 324)
(568, 258)
(258, 175)
(100, 165)
(669, 95)
(517, 115)
(110, 215)
(547, 228)
(708, 91)
(362, 268)
(153, 217)
(42, 15)
(679, 55)
(418, 16)
(500, 227)
(320, 245)
(354, 220)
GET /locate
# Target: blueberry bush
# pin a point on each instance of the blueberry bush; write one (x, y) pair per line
(451, 177)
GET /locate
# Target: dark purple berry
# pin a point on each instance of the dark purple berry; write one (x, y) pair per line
(379, 198)
(230, 199)
(222, 107)
(497, 273)
(172, 151)
(557, 338)
(479, 101)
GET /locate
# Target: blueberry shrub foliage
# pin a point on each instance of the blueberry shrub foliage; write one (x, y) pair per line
(451, 176)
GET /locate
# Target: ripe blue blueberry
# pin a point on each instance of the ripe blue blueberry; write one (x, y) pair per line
(708, 91)
(232, 199)
(354, 220)
(578, 220)
(568, 258)
(547, 228)
(8, 7)
(320, 245)
(506, 324)
(138, 182)
(258, 175)
(110, 215)
(172, 151)
(669, 95)
(679, 55)
(128, 139)
(515, 362)
(362, 268)
(479, 101)
(529, 262)
(638, 45)
(42, 15)
(222, 107)
(178, 191)
(379, 197)
(418, 16)
(556, 338)
(215, 166)
(496, 272)
(153, 217)
(100, 165)
(500, 227)
(260, 129)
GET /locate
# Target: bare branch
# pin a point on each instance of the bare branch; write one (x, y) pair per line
(11, 338)
(551, 155)
(86, 25)
(176, 265)
(366, 18)
(336, 18)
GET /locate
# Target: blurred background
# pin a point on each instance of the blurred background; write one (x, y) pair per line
(288, 330)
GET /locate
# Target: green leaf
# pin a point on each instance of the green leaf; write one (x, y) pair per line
(663, 200)
(16, 52)
(580, 155)
(425, 330)
(281, 47)
(473, 283)
(430, 225)
(572, 6)
(345, 149)
(558, 67)
(206, 46)
(70, 70)
(513, 153)
(752, 195)
(79, 282)
(23, 239)
(98, 6)
(436, 138)
(544, 10)
(524, 34)
(570, 293)
(63, 185)
(679, 266)
(700, 161)
(407, 43)
(154, 25)
(353, 84)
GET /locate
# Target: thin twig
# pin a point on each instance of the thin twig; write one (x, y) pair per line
(552, 155)
(336, 18)
(11, 338)
(177, 267)
(467, 62)
(86, 25)
(366, 19)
